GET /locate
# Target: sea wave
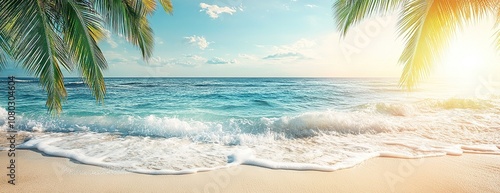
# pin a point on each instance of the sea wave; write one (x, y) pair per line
(180, 156)
(74, 84)
(299, 126)
(25, 80)
(457, 103)
(316, 140)
(410, 109)
(369, 118)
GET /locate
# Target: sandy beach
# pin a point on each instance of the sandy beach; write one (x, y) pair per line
(467, 173)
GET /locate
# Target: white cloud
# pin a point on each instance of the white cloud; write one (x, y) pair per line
(241, 7)
(187, 61)
(199, 41)
(214, 10)
(196, 58)
(217, 60)
(300, 50)
(311, 6)
(115, 58)
(158, 62)
(297, 46)
(285, 56)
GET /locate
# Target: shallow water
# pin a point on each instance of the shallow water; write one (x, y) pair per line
(185, 125)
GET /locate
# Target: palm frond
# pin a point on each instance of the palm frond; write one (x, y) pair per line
(4, 49)
(427, 27)
(82, 28)
(481, 8)
(350, 12)
(143, 37)
(38, 47)
(167, 6)
(497, 24)
(3, 60)
(43, 35)
(149, 6)
(128, 18)
(497, 7)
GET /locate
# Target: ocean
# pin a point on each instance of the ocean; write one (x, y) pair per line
(187, 125)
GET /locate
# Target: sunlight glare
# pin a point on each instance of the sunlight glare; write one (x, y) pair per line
(470, 56)
(469, 60)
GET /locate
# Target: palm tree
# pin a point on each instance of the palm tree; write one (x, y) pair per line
(425, 25)
(43, 36)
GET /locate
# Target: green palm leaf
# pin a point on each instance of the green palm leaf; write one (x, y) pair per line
(38, 46)
(3, 49)
(3, 59)
(47, 35)
(82, 28)
(350, 12)
(167, 6)
(128, 18)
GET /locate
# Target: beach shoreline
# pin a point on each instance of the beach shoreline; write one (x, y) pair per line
(466, 173)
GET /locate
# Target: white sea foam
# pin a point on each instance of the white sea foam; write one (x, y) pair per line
(78, 82)
(322, 140)
(18, 80)
(182, 156)
(3, 119)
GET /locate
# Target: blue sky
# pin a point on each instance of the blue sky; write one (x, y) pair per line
(230, 38)
(243, 38)
(235, 38)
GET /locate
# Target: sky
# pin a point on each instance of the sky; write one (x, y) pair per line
(243, 38)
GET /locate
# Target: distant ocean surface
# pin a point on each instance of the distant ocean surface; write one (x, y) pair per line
(186, 125)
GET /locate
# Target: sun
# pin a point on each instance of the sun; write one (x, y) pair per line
(464, 63)
(469, 56)
(464, 67)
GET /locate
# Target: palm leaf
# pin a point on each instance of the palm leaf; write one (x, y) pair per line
(350, 12)
(427, 27)
(44, 35)
(82, 28)
(497, 24)
(3, 60)
(479, 9)
(37, 45)
(167, 6)
(149, 6)
(143, 34)
(4, 48)
(128, 18)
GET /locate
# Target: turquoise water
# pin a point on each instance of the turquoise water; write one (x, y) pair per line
(184, 125)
